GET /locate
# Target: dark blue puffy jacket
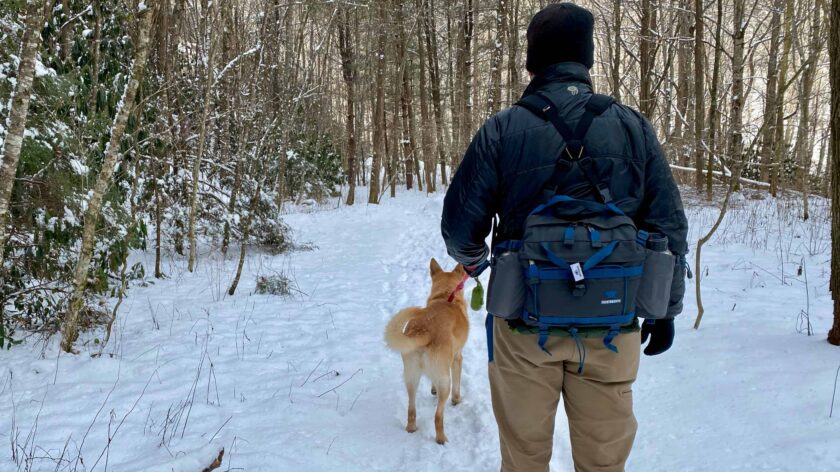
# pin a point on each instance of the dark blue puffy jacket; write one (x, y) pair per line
(514, 154)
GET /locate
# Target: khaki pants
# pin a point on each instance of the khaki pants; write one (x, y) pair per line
(526, 385)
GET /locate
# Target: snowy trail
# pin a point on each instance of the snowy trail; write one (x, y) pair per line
(307, 385)
(388, 250)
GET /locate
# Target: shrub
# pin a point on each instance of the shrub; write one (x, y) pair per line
(275, 285)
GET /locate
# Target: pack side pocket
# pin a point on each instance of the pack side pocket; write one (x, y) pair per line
(655, 289)
(506, 291)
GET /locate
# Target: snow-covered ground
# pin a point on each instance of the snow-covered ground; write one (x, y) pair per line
(306, 384)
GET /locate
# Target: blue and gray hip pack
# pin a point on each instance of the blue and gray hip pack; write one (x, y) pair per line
(580, 263)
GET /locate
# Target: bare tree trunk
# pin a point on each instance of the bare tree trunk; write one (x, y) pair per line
(425, 129)
(348, 71)
(683, 85)
(93, 100)
(452, 76)
(768, 136)
(443, 138)
(246, 234)
(467, 65)
(409, 140)
(392, 149)
(736, 140)
(615, 66)
(379, 106)
(235, 187)
(779, 139)
(232, 108)
(463, 80)
(804, 147)
(699, 91)
(158, 229)
(834, 333)
(66, 33)
(714, 113)
(821, 172)
(647, 58)
(514, 84)
(285, 35)
(103, 180)
(171, 74)
(13, 141)
(202, 137)
(495, 100)
(157, 168)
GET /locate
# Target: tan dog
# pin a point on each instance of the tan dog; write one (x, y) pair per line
(430, 340)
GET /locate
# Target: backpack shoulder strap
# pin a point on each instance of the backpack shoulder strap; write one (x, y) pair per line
(542, 106)
(596, 106)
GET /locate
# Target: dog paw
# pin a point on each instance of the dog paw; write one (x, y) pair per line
(434, 391)
(441, 439)
(411, 428)
(456, 400)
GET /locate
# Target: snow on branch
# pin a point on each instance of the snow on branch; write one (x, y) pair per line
(236, 59)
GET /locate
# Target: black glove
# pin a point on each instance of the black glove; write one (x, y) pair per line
(661, 334)
(475, 271)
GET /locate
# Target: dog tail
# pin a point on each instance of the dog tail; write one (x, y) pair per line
(405, 332)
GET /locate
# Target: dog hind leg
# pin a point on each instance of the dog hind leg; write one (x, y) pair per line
(411, 373)
(442, 382)
(456, 378)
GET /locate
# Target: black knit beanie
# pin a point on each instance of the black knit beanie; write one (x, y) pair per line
(560, 32)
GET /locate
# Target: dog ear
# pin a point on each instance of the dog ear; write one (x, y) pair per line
(434, 267)
(459, 269)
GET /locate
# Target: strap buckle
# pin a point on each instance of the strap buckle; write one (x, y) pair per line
(569, 236)
(604, 192)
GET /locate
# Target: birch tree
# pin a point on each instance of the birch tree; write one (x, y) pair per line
(111, 160)
(16, 125)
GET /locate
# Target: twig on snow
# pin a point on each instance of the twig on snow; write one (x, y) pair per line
(342, 383)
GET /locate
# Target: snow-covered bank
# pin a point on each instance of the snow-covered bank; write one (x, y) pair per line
(306, 384)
